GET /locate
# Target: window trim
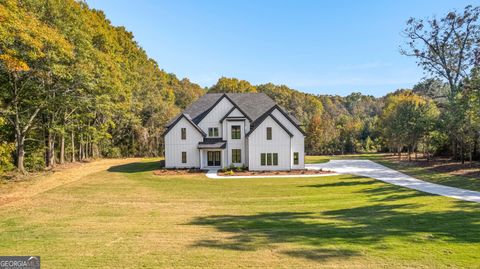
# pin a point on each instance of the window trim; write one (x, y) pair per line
(269, 133)
(183, 133)
(213, 132)
(184, 157)
(239, 132)
(296, 158)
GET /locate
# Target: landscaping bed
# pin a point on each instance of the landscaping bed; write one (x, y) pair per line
(178, 172)
(271, 173)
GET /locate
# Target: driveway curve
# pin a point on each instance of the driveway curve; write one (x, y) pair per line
(374, 170)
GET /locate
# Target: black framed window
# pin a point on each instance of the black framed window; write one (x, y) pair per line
(184, 133)
(275, 158)
(184, 157)
(213, 132)
(236, 155)
(269, 158)
(269, 133)
(236, 132)
(262, 159)
(295, 158)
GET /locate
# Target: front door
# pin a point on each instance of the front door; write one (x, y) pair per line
(213, 158)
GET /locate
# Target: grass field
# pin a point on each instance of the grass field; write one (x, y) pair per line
(125, 216)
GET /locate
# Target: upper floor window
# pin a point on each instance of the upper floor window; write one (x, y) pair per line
(269, 133)
(184, 133)
(213, 132)
(236, 132)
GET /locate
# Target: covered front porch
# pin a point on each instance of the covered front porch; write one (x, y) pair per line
(212, 153)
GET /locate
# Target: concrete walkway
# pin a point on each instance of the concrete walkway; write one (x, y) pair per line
(213, 174)
(371, 169)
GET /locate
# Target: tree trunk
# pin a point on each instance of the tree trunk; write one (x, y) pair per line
(454, 149)
(47, 146)
(20, 133)
(62, 148)
(73, 146)
(415, 150)
(80, 149)
(462, 155)
(51, 150)
(427, 149)
(20, 154)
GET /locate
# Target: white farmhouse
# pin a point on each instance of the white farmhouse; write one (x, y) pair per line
(240, 129)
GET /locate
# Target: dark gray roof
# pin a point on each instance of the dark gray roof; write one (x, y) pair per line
(254, 105)
(212, 143)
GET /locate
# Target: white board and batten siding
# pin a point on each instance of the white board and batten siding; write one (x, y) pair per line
(258, 144)
(235, 143)
(174, 146)
(298, 139)
(212, 119)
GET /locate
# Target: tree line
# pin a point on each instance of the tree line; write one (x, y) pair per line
(74, 87)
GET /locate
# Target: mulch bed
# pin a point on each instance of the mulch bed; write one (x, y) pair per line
(275, 173)
(178, 172)
(442, 165)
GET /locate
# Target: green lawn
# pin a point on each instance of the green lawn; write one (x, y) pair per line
(128, 217)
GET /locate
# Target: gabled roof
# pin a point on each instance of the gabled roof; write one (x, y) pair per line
(187, 117)
(252, 105)
(230, 112)
(255, 107)
(268, 113)
(273, 118)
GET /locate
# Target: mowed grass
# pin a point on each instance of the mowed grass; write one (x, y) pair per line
(129, 218)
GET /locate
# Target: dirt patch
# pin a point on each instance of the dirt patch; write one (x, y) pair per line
(22, 187)
(274, 173)
(178, 172)
(442, 165)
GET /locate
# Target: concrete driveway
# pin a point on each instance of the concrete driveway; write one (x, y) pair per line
(371, 169)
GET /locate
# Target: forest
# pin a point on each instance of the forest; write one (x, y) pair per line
(74, 87)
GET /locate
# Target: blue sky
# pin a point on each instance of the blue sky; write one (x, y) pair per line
(322, 47)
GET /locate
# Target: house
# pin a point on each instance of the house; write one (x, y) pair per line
(240, 129)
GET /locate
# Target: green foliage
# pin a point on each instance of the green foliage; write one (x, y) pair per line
(232, 85)
(408, 119)
(71, 74)
(6, 151)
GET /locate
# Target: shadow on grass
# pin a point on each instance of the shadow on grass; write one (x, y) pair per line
(349, 182)
(323, 236)
(136, 167)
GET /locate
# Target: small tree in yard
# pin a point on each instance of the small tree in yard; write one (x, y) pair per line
(407, 120)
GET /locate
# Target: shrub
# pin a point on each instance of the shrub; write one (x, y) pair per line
(229, 173)
(112, 152)
(6, 161)
(35, 159)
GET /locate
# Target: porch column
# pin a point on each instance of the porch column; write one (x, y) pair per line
(224, 158)
(201, 158)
